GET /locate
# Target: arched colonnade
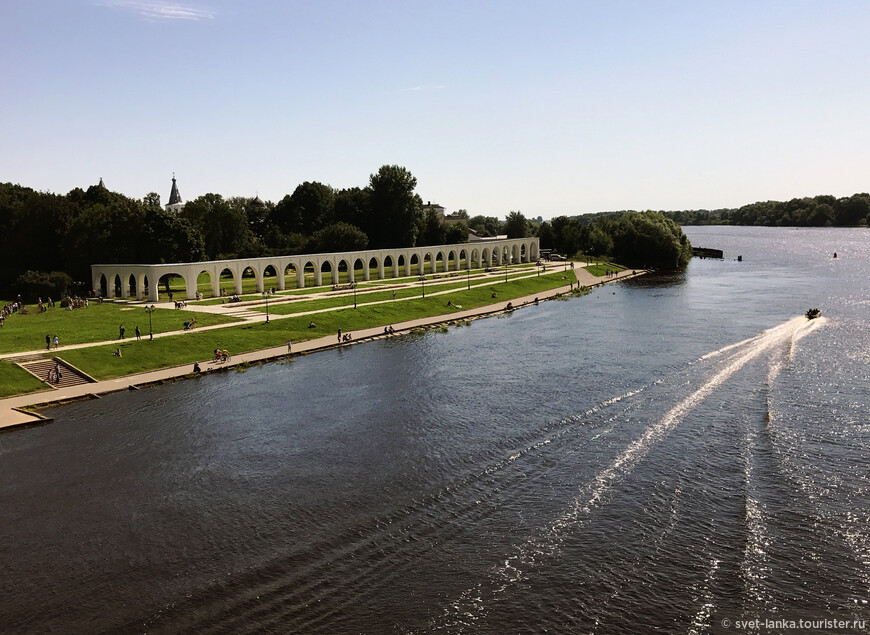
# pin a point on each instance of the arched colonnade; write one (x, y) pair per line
(140, 281)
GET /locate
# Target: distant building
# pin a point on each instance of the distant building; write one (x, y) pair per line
(455, 219)
(175, 203)
(438, 209)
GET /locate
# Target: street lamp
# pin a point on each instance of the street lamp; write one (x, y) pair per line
(423, 284)
(149, 310)
(353, 284)
(468, 275)
(266, 298)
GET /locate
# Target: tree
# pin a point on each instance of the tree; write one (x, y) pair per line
(353, 206)
(432, 230)
(396, 211)
(306, 210)
(648, 239)
(338, 237)
(516, 225)
(456, 233)
(545, 235)
(484, 225)
(152, 201)
(224, 228)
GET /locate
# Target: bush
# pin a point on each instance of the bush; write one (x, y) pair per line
(38, 284)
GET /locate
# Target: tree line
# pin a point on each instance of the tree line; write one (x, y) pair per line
(49, 241)
(815, 211)
(635, 239)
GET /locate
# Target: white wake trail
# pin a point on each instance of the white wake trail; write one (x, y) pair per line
(471, 606)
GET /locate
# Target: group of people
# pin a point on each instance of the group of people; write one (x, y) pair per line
(9, 309)
(343, 338)
(49, 340)
(70, 303)
(220, 356)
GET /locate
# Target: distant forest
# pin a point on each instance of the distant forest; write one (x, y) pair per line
(817, 211)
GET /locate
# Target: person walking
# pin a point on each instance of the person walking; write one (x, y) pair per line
(289, 344)
(47, 342)
(121, 332)
(138, 333)
(339, 336)
(56, 341)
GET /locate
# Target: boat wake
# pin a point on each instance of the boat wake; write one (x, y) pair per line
(471, 606)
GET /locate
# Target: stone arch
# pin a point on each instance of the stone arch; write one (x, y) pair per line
(247, 272)
(330, 276)
(103, 286)
(298, 279)
(226, 283)
(427, 263)
(131, 287)
(344, 269)
(143, 286)
(393, 262)
(271, 284)
(452, 262)
(169, 286)
(205, 278)
(360, 271)
(310, 274)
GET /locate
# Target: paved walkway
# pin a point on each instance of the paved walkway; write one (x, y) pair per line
(10, 415)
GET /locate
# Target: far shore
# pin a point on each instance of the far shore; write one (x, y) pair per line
(22, 410)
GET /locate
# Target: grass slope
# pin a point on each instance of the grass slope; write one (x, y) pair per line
(193, 346)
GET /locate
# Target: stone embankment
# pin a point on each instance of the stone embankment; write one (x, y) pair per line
(20, 410)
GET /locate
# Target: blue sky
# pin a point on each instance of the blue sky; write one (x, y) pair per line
(547, 107)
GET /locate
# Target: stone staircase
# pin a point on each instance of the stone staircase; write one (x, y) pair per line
(69, 375)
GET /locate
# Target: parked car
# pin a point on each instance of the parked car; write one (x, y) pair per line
(557, 257)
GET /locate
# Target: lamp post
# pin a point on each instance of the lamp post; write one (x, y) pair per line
(423, 284)
(468, 275)
(149, 310)
(266, 298)
(353, 284)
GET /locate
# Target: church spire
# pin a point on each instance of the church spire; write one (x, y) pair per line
(174, 196)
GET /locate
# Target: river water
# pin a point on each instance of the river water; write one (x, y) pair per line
(657, 456)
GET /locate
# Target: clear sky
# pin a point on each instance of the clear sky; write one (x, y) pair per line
(548, 107)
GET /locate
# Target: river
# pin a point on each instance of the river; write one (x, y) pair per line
(657, 456)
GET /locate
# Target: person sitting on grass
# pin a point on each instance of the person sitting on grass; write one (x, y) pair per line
(117, 353)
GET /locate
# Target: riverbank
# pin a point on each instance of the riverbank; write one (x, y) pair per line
(22, 409)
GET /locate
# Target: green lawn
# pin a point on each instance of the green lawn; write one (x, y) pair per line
(602, 268)
(17, 381)
(249, 284)
(193, 346)
(98, 322)
(446, 284)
